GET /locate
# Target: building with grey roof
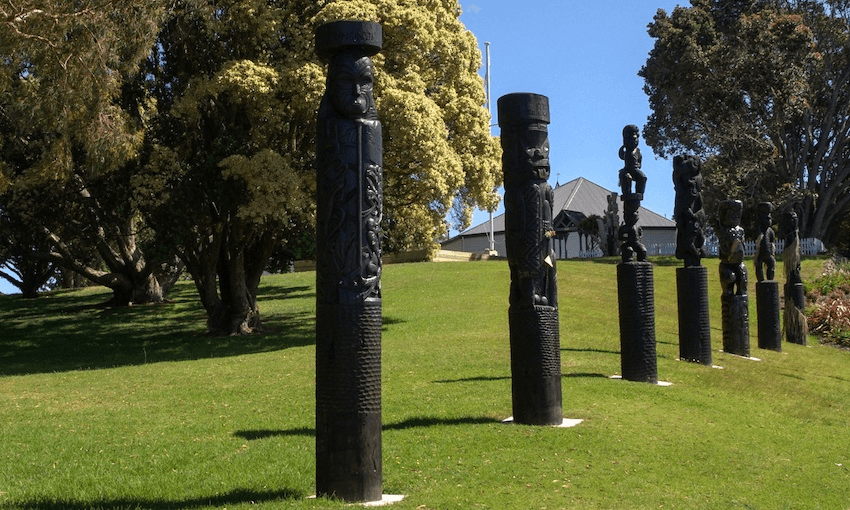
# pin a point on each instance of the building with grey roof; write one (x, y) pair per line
(574, 201)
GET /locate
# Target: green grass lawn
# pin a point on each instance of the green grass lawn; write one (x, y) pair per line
(137, 408)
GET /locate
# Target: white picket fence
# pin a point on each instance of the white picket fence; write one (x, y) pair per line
(809, 246)
(589, 254)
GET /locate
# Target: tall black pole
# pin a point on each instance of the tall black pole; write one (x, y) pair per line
(348, 267)
(767, 289)
(734, 300)
(691, 280)
(635, 286)
(796, 328)
(529, 233)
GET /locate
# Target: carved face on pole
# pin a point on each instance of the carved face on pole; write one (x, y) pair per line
(526, 150)
(790, 222)
(631, 137)
(534, 141)
(350, 83)
(730, 213)
(524, 119)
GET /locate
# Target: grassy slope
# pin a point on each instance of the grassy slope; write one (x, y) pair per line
(135, 408)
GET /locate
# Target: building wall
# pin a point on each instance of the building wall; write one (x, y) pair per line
(475, 244)
(571, 248)
(481, 243)
(658, 236)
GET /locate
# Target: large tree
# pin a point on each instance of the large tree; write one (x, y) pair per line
(228, 160)
(230, 164)
(761, 89)
(438, 151)
(70, 130)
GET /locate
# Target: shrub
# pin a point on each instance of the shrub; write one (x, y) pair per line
(829, 295)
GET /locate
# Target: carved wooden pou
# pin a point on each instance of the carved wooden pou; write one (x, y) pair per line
(633, 185)
(635, 290)
(348, 267)
(691, 280)
(533, 311)
(733, 279)
(767, 289)
(796, 328)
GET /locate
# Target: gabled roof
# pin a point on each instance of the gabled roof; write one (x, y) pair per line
(581, 196)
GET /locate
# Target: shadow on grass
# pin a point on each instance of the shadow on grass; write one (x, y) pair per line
(656, 260)
(275, 292)
(390, 321)
(474, 379)
(410, 423)
(236, 497)
(598, 351)
(583, 375)
(574, 375)
(67, 331)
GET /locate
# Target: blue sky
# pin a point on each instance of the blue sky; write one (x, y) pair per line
(585, 57)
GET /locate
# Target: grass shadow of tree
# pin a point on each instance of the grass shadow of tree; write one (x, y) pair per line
(276, 292)
(234, 497)
(76, 333)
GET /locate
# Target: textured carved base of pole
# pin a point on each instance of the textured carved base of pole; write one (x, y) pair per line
(694, 324)
(637, 322)
(535, 366)
(767, 307)
(796, 329)
(736, 324)
(348, 401)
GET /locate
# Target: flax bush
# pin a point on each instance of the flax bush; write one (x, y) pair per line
(829, 295)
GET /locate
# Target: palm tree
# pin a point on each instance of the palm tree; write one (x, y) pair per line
(589, 228)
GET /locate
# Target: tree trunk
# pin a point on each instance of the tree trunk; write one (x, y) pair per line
(133, 289)
(130, 278)
(231, 313)
(148, 291)
(227, 274)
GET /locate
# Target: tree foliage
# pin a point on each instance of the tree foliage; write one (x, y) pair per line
(761, 89)
(69, 131)
(18, 266)
(230, 165)
(438, 151)
(63, 67)
(229, 162)
(189, 126)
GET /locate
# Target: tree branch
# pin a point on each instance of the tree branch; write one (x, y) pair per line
(11, 279)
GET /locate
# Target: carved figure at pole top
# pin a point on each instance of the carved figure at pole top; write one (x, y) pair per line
(765, 257)
(733, 272)
(688, 211)
(630, 233)
(792, 241)
(350, 153)
(795, 325)
(612, 223)
(631, 172)
(523, 119)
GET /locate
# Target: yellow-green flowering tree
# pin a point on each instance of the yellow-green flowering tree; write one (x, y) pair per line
(227, 157)
(230, 157)
(437, 145)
